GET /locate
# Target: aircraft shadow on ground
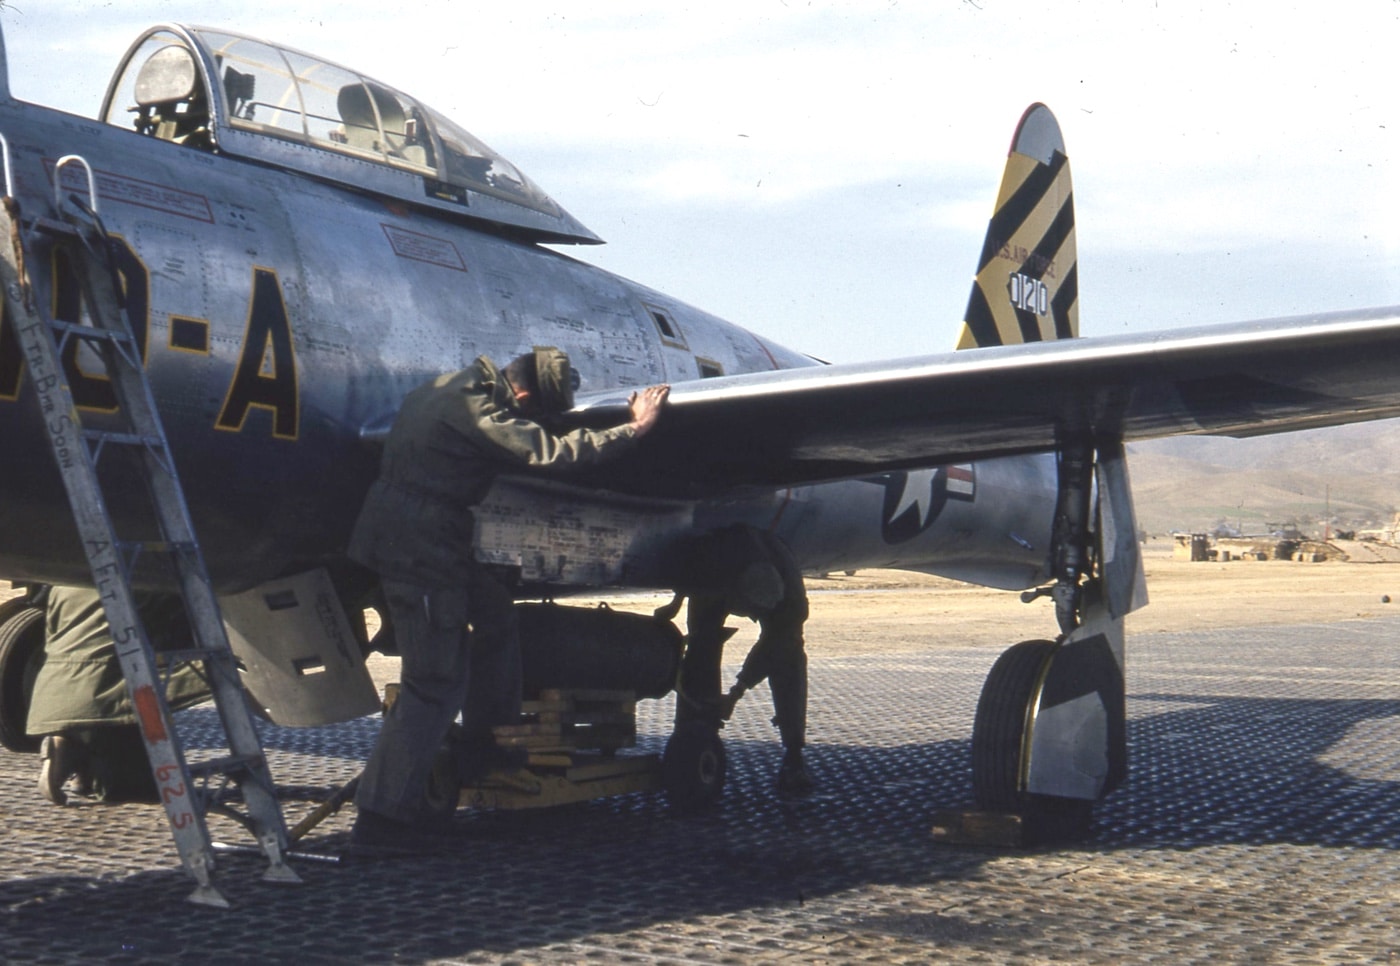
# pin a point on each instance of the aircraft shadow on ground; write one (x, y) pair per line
(1209, 770)
(1206, 771)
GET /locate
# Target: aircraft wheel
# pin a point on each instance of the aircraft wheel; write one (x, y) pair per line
(21, 654)
(1000, 725)
(9, 609)
(693, 767)
(997, 733)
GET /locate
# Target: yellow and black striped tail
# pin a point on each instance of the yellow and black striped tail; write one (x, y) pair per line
(1027, 284)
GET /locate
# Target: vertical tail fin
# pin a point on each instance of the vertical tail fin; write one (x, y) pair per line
(1027, 284)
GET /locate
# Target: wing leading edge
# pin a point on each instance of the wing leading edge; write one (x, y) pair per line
(810, 425)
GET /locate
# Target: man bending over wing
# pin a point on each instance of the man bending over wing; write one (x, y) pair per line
(454, 623)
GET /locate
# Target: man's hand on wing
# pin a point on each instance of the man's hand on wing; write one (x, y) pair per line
(646, 407)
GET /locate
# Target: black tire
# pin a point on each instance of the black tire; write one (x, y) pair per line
(1000, 726)
(21, 654)
(997, 734)
(693, 767)
(9, 608)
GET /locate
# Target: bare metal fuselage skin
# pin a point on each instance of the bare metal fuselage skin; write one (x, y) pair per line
(281, 314)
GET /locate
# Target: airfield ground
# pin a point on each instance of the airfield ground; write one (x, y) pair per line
(1261, 822)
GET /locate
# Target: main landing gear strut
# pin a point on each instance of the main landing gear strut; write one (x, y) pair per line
(1050, 736)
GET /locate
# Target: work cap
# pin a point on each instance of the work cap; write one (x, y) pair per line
(732, 562)
(555, 377)
(756, 590)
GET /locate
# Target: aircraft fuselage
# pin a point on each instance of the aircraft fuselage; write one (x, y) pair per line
(281, 314)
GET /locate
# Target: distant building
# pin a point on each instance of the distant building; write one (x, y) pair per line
(1194, 547)
(1198, 548)
(1390, 534)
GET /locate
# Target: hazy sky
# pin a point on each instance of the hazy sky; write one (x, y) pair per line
(823, 172)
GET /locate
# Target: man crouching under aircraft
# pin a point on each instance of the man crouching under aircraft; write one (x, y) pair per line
(80, 704)
(454, 624)
(747, 572)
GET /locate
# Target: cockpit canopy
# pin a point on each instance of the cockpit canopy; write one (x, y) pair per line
(213, 89)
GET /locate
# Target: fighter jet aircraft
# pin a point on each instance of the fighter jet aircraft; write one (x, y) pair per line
(299, 245)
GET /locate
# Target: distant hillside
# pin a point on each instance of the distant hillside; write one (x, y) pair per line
(1194, 482)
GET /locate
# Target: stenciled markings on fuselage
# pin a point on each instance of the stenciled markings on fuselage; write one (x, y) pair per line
(265, 377)
(915, 498)
(136, 192)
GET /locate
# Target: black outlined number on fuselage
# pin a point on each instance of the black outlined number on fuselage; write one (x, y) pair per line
(92, 391)
(265, 377)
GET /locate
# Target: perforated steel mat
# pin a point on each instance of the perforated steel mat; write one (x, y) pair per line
(1261, 823)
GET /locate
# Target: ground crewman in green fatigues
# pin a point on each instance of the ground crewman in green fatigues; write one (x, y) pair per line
(80, 702)
(748, 572)
(455, 625)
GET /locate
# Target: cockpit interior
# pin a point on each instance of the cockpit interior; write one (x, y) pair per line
(219, 91)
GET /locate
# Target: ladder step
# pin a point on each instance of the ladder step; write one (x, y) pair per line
(226, 765)
(134, 548)
(56, 227)
(92, 333)
(122, 439)
(188, 655)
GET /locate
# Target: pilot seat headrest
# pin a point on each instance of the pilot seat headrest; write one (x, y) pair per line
(167, 75)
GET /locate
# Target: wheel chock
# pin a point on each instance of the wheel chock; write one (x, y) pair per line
(971, 827)
(1013, 830)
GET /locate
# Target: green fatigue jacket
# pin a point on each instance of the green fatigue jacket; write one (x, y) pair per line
(80, 683)
(450, 440)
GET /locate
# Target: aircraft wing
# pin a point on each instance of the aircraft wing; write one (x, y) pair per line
(828, 422)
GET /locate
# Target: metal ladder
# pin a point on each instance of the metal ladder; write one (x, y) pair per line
(188, 791)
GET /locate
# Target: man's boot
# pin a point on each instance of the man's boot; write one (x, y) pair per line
(793, 777)
(60, 757)
(478, 755)
(374, 834)
(789, 687)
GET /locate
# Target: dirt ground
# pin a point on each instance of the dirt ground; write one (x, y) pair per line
(889, 611)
